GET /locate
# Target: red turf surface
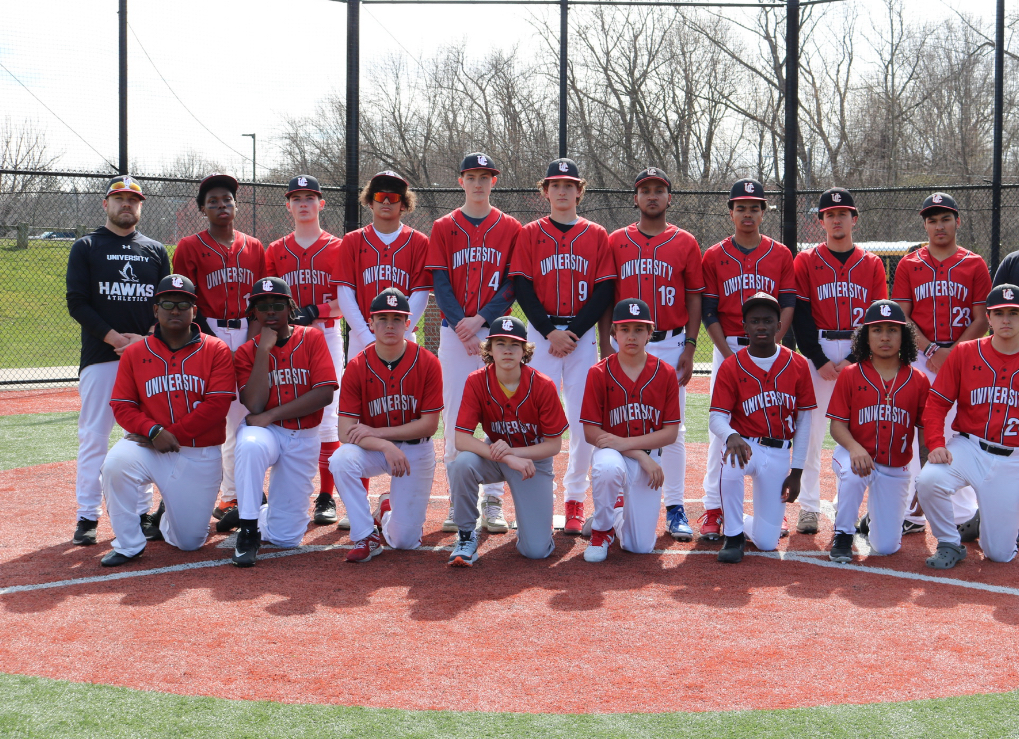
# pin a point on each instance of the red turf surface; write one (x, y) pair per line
(51, 400)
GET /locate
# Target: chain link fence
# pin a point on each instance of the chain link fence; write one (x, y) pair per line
(42, 213)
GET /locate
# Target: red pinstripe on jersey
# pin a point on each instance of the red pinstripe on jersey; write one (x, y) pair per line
(839, 294)
(625, 407)
(222, 276)
(532, 414)
(368, 265)
(378, 396)
(731, 277)
(307, 271)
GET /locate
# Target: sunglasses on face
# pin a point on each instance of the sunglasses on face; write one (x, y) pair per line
(266, 307)
(120, 186)
(179, 304)
(388, 197)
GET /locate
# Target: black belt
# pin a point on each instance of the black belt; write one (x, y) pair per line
(412, 442)
(663, 335)
(990, 448)
(649, 452)
(836, 335)
(742, 341)
(945, 344)
(231, 323)
(561, 320)
(768, 441)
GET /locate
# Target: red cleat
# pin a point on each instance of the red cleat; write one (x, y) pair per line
(574, 517)
(711, 525)
(365, 549)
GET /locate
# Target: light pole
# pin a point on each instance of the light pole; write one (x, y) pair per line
(254, 177)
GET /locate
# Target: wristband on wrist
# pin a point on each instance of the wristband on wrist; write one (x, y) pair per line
(691, 341)
(931, 350)
(154, 432)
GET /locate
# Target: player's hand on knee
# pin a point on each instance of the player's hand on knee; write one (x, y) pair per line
(498, 450)
(398, 463)
(791, 486)
(941, 455)
(524, 466)
(861, 462)
(655, 473)
(139, 440)
(828, 372)
(737, 450)
(165, 442)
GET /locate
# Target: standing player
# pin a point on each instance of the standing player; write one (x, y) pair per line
(172, 394)
(735, 269)
(468, 256)
(761, 407)
(286, 378)
(874, 409)
(563, 277)
(941, 288)
(520, 412)
(661, 265)
(631, 412)
(389, 408)
(835, 284)
(111, 276)
(982, 378)
(223, 264)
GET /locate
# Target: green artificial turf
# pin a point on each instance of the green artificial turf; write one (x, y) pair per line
(41, 438)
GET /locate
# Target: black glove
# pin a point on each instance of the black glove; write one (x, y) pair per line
(305, 316)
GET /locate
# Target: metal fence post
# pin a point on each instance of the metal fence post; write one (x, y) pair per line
(350, 211)
(999, 88)
(22, 242)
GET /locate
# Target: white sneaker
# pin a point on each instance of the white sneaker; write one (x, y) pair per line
(598, 548)
(449, 525)
(492, 513)
(344, 522)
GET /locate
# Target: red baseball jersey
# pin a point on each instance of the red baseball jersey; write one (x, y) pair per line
(297, 367)
(187, 391)
(476, 257)
(942, 294)
(881, 417)
(731, 277)
(839, 294)
(761, 403)
(564, 267)
(223, 277)
(532, 414)
(368, 266)
(307, 271)
(621, 406)
(659, 270)
(985, 384)
(378, 396)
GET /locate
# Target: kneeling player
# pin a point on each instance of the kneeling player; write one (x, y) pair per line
(519, 410)
(630, 412)
(982, 377)
(286, 377)
(172, 394)
(761, 406)
(389, 408)
(874, 409)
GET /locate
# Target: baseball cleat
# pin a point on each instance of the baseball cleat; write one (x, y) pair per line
(382, 508)
(449, 525)
(711, 525)
(465, 553)
(492, 514)
(620, 501)
(863, 525)
(678, 524)
(970, 530)
(947, 556)
(807, 522)
(113, 558)
(231, 520)
(343, 523)
(325, 509)
(249, 539)
(586, 530)
(85, 532)
(841, 548)
(368, 547)
(598, 548)
(152, 532)
(909, 527)
(732, 551)
(574, 517)
(222, 507)
(784, 531)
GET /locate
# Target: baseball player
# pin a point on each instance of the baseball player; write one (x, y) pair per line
(223, 264)
(835, 284)
(875, 408)
(941, 288)
(112, 275)
(661, 265)
(523, 420)
(468, 256)
(630, 413)
(286, 378)
(390, 402)
(305, 260)
(735, 269)
(981, 378)
(563, 277)
(761, 407)
(171, 396)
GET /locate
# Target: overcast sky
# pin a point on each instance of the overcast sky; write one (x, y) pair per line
(238, 66)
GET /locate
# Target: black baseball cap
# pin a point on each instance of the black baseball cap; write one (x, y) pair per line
(761, 298)
(652, 173)
(632, 310)
(124, 183)
(747, 189)
(509, 327)
(836, 197)
(216, 179)
(1003, 296)
(303, 183)
(390, 300)
(884, 311)
(477, 160)
(563, 169)
(389, 174)
(939, 201)
(269, 286)
(176, 284)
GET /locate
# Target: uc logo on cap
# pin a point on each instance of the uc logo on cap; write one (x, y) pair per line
(301, 182)
(652, 171)
(886, 310)
(936, 198)
(634, 309)
(177, 282)
(564, 167)
(507, 325)
(266, 285)
(836, 197)
(748, 186)
(391, 300)
(1008, 293)
(482, 160)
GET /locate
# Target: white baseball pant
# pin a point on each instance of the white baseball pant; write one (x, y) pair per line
(673, 461)
(767, 468)
(292, 455)
(993, 477)
(408, 495)
(95, 424)
(636, 524)
(188, 482)
(328, 429)
(234, 338)
(886, 502)
(570, 376)
(456, 364)
(964, 502)
(716, 446)
(810, 485)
